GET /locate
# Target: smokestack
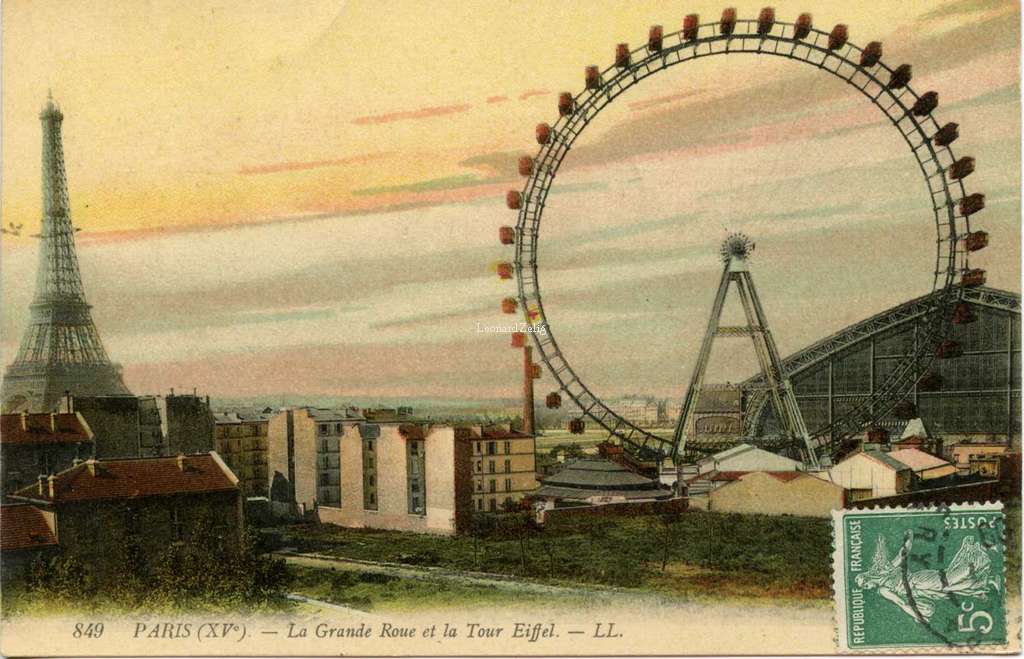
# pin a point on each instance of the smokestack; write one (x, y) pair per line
(91, 465)
(53, 422)
(528, 390)
(68, 403)
(51, 481)
(42, 484)
(181, 461)
(24, 420)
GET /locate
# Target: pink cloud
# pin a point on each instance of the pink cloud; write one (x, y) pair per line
(422, 113)
(533, 92)
(311, 164)
(497, 99)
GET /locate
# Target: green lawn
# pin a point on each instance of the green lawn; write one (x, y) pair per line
(713, 554)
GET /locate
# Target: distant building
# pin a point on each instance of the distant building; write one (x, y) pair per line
(504, 467)
(40, 444)
(126, 426)
(241, 440)
(923, 465)
(102, 510)
(404, 477)
(778, 493)
(26, 532)
(638, 410)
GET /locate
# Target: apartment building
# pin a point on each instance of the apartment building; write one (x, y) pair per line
(504, 467)
(241, 440)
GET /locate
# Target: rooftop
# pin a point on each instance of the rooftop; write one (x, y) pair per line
(96, 480)
(62, 428)
(918, 460)
(24, 527)
(597, 474)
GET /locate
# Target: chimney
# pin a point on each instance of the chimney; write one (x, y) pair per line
(53, 422)
(181, 462)
(52, 481)
(69, 402)
(528, 390)
(24, 420)
(42, 484)
(92, 466)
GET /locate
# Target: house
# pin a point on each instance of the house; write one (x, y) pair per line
(108, 512)
(26, 532)
(744, 457)
(34, 444)
(925, 466)
(962, 454)
(871, 474)
(777, 493)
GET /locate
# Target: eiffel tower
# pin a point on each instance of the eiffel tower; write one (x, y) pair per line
(61, 350)
(735, 252)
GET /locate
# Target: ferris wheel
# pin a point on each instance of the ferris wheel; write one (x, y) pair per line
(887, 88)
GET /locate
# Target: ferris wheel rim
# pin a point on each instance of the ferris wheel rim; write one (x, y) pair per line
(643, 62)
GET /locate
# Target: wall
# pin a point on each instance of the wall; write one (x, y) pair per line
(115, 424)
(190, 425)
(860, 472)
(522, 472)
(101, 533)
(21, 464)
(761, 493)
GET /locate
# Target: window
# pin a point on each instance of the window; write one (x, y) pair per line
(323, 428)
(479, 486)
(494, 485)
(479, 465)
(369, 444)
(478, 447)
(490, 466)
(493, 505)
(415, 469)
(373, 481)
(337, 428)
(480, 505)
(508, 484)
(323, 446)
(492, 448)
(508, 466)
(508, 447)
(369, 475)
(508, 503)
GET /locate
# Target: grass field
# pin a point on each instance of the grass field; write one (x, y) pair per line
(708, 554)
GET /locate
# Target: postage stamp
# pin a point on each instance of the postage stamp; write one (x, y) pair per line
(928, 578)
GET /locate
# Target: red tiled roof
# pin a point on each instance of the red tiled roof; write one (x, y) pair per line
(61, 428)
(140, 477)
(24, 527)
(785, 476)
(727, 475)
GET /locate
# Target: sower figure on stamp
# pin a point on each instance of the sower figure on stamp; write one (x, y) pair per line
(968, 575)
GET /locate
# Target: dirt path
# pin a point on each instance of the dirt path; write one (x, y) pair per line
(481, 579)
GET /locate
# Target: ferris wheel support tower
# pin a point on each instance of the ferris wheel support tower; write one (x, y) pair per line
(735, 253)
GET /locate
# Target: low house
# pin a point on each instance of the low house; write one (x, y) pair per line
(924, 465)
(26, 532)
(777, 493)
(106, 512)
(871, 474)
(744, 457)
(963, 453)
(34, 444)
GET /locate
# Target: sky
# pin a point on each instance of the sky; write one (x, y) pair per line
(304, 198)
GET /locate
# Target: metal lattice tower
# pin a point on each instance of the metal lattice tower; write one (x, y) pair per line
(61, 349)
(735, 252)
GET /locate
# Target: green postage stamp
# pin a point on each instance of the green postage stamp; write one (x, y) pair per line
(928, 578)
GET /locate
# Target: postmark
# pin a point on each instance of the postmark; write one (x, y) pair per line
(928, 578)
